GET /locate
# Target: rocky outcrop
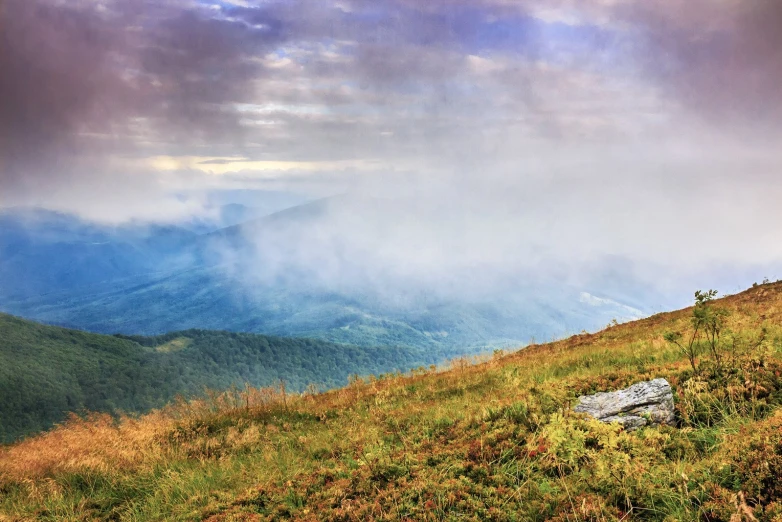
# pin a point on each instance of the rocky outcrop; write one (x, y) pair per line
(642, 404)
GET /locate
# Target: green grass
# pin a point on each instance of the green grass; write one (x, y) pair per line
(174, 345)
(496, 440)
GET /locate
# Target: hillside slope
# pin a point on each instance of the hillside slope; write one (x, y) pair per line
(46, 372)
(492, 441)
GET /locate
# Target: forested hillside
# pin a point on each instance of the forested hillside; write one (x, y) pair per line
(46, 372)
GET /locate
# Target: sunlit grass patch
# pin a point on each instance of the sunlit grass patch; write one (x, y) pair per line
(174, 345)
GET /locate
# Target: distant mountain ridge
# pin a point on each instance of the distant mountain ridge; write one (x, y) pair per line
(292, 273)
(43, 251)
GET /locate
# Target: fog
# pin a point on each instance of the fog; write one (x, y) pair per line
(621, 148)
(646, 240)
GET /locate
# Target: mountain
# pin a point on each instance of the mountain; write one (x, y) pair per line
(209, 298)
(318, 270)
(225, 208)
(46, 372)
(44, 252)
(221, 216)
(496, 440)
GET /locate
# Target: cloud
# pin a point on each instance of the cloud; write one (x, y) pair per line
(541, 129)
(56, 84)
(722, 60)
(223, 161)
(171, 77)
(90, 83)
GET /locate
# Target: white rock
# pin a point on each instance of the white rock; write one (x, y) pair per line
(645, 403)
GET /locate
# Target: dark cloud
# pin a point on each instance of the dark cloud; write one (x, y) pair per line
(721, 59)
(440, 85)
(56, 82)
(83, 80)
(90, 79)
(192, 65)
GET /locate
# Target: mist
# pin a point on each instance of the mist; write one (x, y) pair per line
(469, 149)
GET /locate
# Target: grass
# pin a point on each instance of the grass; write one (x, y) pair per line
(489, 440)
(174, 345)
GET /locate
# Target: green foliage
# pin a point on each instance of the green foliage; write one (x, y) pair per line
(46, 372)
(707, 325)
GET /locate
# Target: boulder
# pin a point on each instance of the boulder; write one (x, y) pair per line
(642, 404)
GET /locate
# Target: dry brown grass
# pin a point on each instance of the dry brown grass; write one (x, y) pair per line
(102, 443)
(97, 442)
(362, 413)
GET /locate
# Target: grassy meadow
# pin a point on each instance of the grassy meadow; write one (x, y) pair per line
(492, 439)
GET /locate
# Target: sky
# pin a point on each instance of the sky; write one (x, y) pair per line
(647, 129)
